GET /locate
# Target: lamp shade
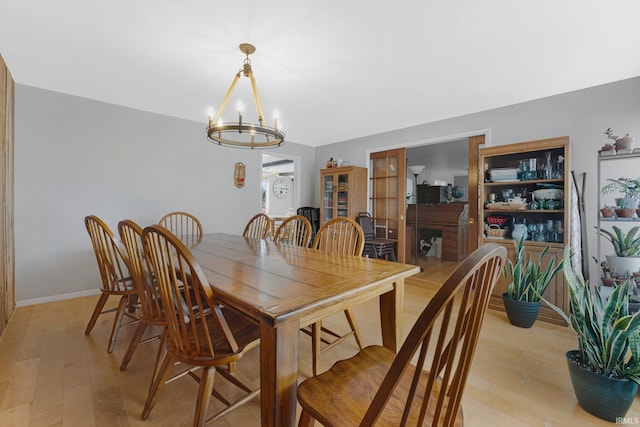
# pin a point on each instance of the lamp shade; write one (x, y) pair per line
(415, 170)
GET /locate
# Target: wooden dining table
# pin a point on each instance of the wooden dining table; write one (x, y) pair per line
(287, 287)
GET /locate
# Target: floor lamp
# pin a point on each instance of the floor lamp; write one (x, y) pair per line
(416, 170)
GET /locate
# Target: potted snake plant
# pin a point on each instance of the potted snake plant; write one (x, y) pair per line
(605, 369)
(626, 247)
(528, 280)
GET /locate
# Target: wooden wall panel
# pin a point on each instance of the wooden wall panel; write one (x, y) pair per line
(7, 264)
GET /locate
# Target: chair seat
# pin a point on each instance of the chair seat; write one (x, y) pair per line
(246, 333)
(351, 399)
(377, 248)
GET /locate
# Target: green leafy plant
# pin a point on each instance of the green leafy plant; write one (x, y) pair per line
(608, 336)
(629, 187)
(624, 244)
(528, 279)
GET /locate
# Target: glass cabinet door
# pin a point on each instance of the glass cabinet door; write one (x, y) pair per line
(343, 195)
(328, 202)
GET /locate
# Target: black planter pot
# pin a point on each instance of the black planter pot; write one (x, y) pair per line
(605, 397)
(521, 313)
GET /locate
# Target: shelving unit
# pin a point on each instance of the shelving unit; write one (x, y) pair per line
(343, 192)
(614, 166)
(536, 220)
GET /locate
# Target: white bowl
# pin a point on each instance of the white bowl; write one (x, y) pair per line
(548, 193)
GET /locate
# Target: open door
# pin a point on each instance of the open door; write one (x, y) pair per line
(387, 189)
(474, 199)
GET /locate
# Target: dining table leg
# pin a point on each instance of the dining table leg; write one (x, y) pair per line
(391, 316)
(278, 374)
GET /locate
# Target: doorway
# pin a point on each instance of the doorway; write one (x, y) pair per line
(453, 160)
(279, 192)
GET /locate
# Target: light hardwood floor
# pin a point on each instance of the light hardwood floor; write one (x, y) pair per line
(51, 374)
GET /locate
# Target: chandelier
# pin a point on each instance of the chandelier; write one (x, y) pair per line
(241, 134)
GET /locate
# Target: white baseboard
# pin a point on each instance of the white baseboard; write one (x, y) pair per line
(34, 301)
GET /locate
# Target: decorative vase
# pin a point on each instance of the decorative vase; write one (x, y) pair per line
(519, 232)
(605, 397)
(624, 143)
(522, 314)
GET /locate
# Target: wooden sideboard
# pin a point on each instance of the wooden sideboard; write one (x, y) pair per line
(450, 220)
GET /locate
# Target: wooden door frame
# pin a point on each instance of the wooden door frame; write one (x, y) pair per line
(7, 246)
(475, 139)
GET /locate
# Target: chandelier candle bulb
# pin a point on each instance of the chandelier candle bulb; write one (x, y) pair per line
(240, 108)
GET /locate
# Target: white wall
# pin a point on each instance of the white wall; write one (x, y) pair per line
(75, 157)
(583, 115)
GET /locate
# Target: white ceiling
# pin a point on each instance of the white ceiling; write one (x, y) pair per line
(335, 70)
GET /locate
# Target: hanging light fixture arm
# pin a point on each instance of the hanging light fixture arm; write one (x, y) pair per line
(256, 99)
(226, 99)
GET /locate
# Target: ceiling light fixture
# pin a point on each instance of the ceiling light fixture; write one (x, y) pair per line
(241, 134)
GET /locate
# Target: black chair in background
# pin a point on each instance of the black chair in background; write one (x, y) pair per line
(313, 215)
(374, 246)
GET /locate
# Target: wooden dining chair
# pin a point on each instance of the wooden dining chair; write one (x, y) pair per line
(200, 331)
(378, 387)
(184, 225)
(374, 246)
(259, 227)
(151, 310)
(313, 215)
(341, 236)
(113, 264)
(294, 230)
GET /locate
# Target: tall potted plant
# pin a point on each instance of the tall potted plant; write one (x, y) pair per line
(527, 282)
(605, 369)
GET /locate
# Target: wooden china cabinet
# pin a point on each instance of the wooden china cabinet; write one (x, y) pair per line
(513, 173)
(343, 192)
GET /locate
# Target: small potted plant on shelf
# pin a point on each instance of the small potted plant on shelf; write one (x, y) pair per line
(527, 282)
(607, 149)
(608, 211)
(630, 189)
(626, 247)
(605, 369)
(621, 142)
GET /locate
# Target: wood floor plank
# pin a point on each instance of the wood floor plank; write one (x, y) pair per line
(16, 416)
(77, 407)
(51, 417)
